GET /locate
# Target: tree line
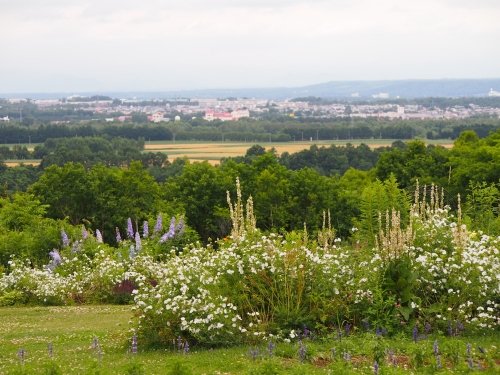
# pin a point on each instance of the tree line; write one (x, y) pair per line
(250, 130)
(352, 183)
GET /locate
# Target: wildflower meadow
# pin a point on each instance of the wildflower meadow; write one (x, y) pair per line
(424, 297)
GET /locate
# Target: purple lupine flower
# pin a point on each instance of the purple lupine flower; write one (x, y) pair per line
(95, 343)
(134, 344)
(378, 331)
(270, 348)
(138, 244)
(435, 348)
(179, 228)
(171, 232)
(347, 356)
(302, 351)
(64, 238)
(415, 334)
(180, 343)
(21, 353)
(158, 225)
(145, 229)
(427, 328)
(306, 332)
(375, 368)
(438, 361)
(131, 252)
(98, 236)
(254, 353)
(171, 229)
(450, 329)
(130, 229)
(85, 234)
(118, 235)
(50, 349)
(347, 328)
(76, 247)
(470, 362)
(186, 347)
(460, 326)
(56, 257)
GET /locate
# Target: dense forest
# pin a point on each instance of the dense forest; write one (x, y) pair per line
(101, 183)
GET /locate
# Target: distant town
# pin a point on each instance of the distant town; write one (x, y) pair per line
(381, 105)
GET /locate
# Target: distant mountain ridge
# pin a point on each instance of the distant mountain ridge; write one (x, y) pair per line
(414, 88)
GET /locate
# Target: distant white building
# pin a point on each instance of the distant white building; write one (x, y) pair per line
(211, 115)
(157, 117)
(6, 119)
(493, 93)
(381, 95)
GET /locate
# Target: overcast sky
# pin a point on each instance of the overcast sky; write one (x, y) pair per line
(111, 45)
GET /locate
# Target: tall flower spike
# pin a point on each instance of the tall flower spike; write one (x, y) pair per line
(145, 229)
(159, 224)
(179, 228)
(171, 229)
(98, 236)
(85, 234)
(130, 229)
(118, 235)
(138, 244)
(64, 238)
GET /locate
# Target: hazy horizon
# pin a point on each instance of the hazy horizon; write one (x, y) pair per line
(122, 46)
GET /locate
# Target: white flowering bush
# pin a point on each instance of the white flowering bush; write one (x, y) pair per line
(253, 286)
(458, 272)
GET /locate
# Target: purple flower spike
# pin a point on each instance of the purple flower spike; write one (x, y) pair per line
(130, 228)
(375, 368)
(145, 229)
(98, 236)
(134, 344)
(415, 334)
(159, 224)
(64, 238)
(138, 244)
(171, 230)
(118, 236)
(56, 257)
(302, 351)
(179, 228)
(85, 234)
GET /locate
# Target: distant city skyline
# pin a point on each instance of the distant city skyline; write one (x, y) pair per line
(153, 45)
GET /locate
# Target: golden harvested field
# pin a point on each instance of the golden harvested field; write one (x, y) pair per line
(213, 152)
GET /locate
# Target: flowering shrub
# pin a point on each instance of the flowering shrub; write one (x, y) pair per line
(253, 286)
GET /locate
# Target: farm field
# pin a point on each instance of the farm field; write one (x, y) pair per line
(214, 151)
(72, 329)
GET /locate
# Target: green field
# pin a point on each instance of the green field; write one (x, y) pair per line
(71, 330)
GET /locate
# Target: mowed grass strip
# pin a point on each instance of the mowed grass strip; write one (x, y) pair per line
(71, 330)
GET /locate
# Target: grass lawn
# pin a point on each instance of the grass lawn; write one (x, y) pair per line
(71, 331)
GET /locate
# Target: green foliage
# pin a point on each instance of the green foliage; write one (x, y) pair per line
(483, 207)
(377, 199)
(135, 368)
(178, 369)
(52, 368)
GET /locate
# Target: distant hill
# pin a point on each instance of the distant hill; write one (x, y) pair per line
(451, 88)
